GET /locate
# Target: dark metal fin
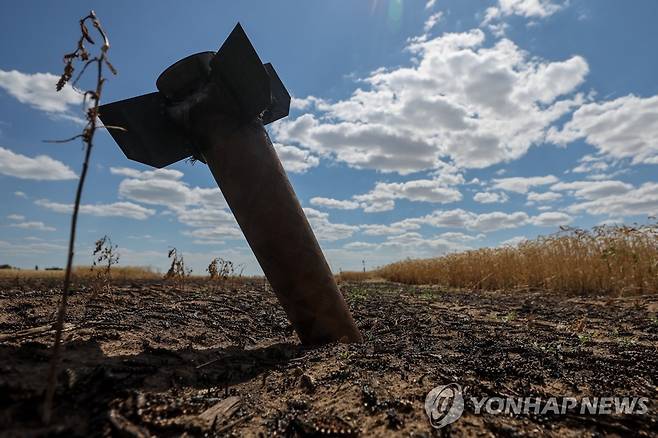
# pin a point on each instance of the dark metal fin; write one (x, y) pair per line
(150, 137)
(237, 68)
(280, 98)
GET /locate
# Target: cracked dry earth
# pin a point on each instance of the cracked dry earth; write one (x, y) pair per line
(153, 360)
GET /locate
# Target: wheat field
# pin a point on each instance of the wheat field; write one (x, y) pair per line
(619, 260)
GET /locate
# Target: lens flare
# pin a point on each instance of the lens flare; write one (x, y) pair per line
(395, 13)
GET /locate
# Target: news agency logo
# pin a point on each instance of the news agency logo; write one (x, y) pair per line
(445, 405)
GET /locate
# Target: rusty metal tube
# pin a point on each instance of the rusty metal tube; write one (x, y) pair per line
(250, 175)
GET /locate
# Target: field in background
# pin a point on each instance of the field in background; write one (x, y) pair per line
(85, 272)
(618, 260)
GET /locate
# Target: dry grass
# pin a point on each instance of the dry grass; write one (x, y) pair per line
(354, 276)
(118, 273)
(85, 272)
(620, 260)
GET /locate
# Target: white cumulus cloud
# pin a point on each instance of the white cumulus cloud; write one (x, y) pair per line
(524, 8)
(326, 230)
(116, 209)
(459, 218)
(593, 189)
(551, 219)
(383, 196)
(521, 184)
(432, 21)
(294, 159)
(490, 197)
(32, 225)
(38, 91)
(543, 197)
(460, 101)
(201, 208)
(319, 201)
(626, 127)
(423, 190)
(618, 202)
(41, 167)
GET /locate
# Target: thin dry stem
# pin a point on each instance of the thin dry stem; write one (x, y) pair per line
(87, 135)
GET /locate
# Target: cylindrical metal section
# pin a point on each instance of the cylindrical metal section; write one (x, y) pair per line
(254, 183)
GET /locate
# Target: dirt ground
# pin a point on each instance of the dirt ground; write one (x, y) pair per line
(150, 358)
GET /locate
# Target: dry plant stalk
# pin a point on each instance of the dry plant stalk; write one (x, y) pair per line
(177, 272)
(220, 270)
(100, 60)
(615, 260)
(105, 256)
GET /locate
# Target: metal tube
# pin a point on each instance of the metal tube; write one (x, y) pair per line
(248, 171)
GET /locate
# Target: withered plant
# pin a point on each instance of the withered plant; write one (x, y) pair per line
(178, 273)
(220, 270)
(105, 256)
(91, 102)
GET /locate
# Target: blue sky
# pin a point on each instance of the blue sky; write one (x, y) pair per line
(418, 127)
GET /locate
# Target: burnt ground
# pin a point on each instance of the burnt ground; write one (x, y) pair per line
(150, 358)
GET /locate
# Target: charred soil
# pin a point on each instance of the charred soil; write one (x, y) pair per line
(150, 359)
